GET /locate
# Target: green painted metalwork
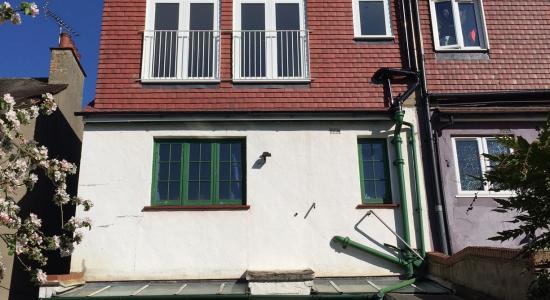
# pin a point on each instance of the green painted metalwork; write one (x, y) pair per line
(418, 201)
(399, 163)
(395, 287)
(346, 241)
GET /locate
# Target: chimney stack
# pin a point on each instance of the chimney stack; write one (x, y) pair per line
(65, 68)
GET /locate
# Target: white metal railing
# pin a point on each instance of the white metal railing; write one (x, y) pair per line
(276, 55)
(181, 55)
(194, 55)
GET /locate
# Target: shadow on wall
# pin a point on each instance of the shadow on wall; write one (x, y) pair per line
(55, 133)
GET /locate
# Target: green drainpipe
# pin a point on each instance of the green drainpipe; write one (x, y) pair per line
(419, 210)
(399, 163)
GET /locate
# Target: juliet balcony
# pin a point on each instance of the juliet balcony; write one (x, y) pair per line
(194, 56)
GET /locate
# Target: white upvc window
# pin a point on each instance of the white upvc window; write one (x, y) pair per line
(371, 19)
(459, 25)
(270, 41)
(471, 165)
(181, 41)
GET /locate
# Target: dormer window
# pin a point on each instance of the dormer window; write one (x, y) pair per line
(181, 41)
(371, 19)
(458, 25)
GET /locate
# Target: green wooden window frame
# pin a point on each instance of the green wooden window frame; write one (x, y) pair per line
(181, 167)
(373, 180)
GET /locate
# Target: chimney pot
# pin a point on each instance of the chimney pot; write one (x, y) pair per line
(65, 41)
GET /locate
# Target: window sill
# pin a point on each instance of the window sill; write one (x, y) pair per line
(278, 81)
(374, 206)
(195, 207)
(375, 38)
(461, 50)
(484, 195)
(198, 81)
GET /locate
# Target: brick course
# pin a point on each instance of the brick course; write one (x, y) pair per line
(341, 68)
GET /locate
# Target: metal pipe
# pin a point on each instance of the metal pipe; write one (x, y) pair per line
(395, 287)
(346, 241)
(417, 199)
(399, 163)
(394, 233)
(431, 143)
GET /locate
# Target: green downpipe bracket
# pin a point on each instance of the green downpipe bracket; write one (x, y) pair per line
(418, 202)
(346, 241)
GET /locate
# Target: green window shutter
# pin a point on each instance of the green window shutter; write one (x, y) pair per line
(187, 172)
(374, 171)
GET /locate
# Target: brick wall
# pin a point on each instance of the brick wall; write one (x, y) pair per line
(519, 55)
(341, 68)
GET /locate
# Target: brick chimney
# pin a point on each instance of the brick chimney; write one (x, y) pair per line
(65, 68)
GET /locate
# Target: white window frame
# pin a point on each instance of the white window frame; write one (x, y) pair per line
(357, 21)
(485, 165)
(270, 27)
(183, 26)
(480, 15)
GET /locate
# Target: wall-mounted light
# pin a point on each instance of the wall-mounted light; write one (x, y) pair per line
(265, 155)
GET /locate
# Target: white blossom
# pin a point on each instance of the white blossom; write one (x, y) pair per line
(35, 220)
(41, 276)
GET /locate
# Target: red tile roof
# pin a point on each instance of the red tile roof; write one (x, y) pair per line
(341, 68)
(519, 55)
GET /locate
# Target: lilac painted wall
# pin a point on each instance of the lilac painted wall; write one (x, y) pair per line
(474, 227)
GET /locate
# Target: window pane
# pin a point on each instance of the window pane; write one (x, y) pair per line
(253, 40)
(193, 193)
(193, 171)
(175, 152)
(174, 190)
(235, 190)
(372, 16)
(445, 23)
(206, 149)
(166, 16)
(366, 151)
(224, 171)
(236, 171)
(165, 36)
(204, 191)
(469, 165)
(468, 20)
(236, 152)
(288, 39)
(377, 151)
(164, 152)
(379, 170)
(205, 171)
(163, 171)
(194, 152)
(370, 192)
(368, 170)
(224, 152)
(494, 147)
(162, 191)
(175, 171)
(225, 190)
(201, 40)
(381, 190)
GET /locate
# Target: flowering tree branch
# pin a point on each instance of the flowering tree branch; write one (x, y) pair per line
(20, 161)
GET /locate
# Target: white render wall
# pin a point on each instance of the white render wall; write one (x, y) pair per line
(309, 164)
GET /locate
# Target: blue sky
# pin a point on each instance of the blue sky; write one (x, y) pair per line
(25, 49)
